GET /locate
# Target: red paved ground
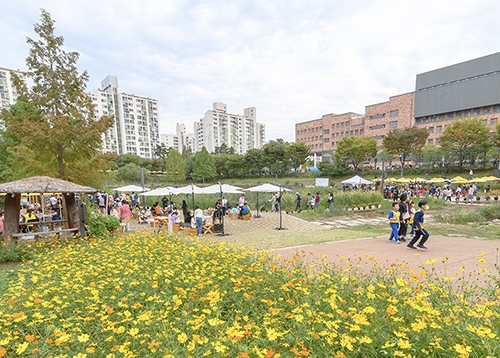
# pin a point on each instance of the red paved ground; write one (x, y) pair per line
(461, 255)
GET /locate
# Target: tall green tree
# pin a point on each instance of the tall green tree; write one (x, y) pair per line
(254, 160)
(175, 170)
(404, 142)
(66, 136)
(274, 156)
(204, 166)
(224, 149)
(297, 154)
(466, 138)
(161, 151)
(355, 150)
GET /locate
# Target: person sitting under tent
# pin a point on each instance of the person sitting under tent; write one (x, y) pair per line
(244, 210)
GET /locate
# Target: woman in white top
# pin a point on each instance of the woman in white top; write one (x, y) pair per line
(198, 216)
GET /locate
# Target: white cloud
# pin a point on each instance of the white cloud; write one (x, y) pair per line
(293, 60)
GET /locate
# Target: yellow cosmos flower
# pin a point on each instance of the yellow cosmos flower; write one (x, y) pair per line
(133, 331)
(83, 338)
(182, 337)
(465, 350)
(430, 261)
(22, 347)
(482, 260)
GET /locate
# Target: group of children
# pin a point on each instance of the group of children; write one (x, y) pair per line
(404, 214)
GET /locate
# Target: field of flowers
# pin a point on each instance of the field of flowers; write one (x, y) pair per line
(169, 296)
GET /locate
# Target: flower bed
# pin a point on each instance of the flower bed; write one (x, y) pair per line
(167, 295)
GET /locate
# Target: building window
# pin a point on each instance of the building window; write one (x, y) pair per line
(394, 113)
(486, 110)
(467, 113)
(361, 132)
(379, 126)
(496, 108)
(431, 129)
(439, 129)
(493, 121)
(326, 131)
(429, 141)
(356, 132)
(458, 114)
(393, 124)
(382, 115)
(477, 111)
(342, 125)
(437, 141)
(326, 140)
(450, 115)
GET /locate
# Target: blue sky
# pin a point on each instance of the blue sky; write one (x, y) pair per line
(294, 60)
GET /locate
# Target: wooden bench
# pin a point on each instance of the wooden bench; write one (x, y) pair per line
(191, 231)
(60, 234)
(247, 216)
(233, 216)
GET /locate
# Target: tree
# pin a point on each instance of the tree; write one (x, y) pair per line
(466, 138)
(404, 142)
(297, 154)
(253, 160)
(204, 167)
(125, 159)
(129, 173)
(174, 167)
(65, 136)
(224, 149)
(161, 151)
(188, 159)
(356, 150)
(274, 155)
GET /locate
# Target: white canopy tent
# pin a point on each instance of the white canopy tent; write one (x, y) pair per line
(222, 188)
(161, 191)
(356, 180)
(131, 188)
(267, 188)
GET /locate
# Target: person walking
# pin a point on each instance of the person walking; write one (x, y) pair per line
(125, 214)
(317, 199)
(198, 216)
(404, 210)
(297, 202)
(330, 200)
(420, 232)
(394, 223)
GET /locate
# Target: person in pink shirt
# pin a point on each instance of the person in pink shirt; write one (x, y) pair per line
(1, 221)
(125, 214)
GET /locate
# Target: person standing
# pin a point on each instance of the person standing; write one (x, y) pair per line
(394, 223)
(184, 207)
(404, 210)
(330, 200)
(418, 222)
(297, 202)
(125, 214)
(198, 216)
(317, 199)
(164, 202)
(471, 174)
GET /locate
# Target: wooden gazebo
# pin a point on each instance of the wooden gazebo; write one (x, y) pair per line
(41, 185)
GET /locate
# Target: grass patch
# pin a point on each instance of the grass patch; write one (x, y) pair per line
(464, 215)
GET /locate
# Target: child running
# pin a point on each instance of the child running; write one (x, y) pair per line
(394, 222)
(418, 222)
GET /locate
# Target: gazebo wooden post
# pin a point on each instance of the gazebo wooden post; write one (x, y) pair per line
(71, 210)
(12, 208)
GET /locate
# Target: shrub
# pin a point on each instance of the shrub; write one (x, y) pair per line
(101, 225)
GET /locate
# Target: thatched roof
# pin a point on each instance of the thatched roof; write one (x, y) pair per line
(43, 185)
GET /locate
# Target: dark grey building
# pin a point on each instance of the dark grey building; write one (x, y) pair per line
(469, 85)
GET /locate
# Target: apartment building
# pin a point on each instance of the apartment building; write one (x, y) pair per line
(170, 140)
(218, 127)
(8, 93)
(136, 126)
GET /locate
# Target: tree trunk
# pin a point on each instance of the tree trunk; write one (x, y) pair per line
(60, 161)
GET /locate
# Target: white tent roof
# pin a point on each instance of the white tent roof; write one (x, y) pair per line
(160, 192)
(225, 188)
(266, 188)
(189, 189)
(356, 180)
(130, 188)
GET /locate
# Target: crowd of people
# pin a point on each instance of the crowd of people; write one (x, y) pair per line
(464, 192)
